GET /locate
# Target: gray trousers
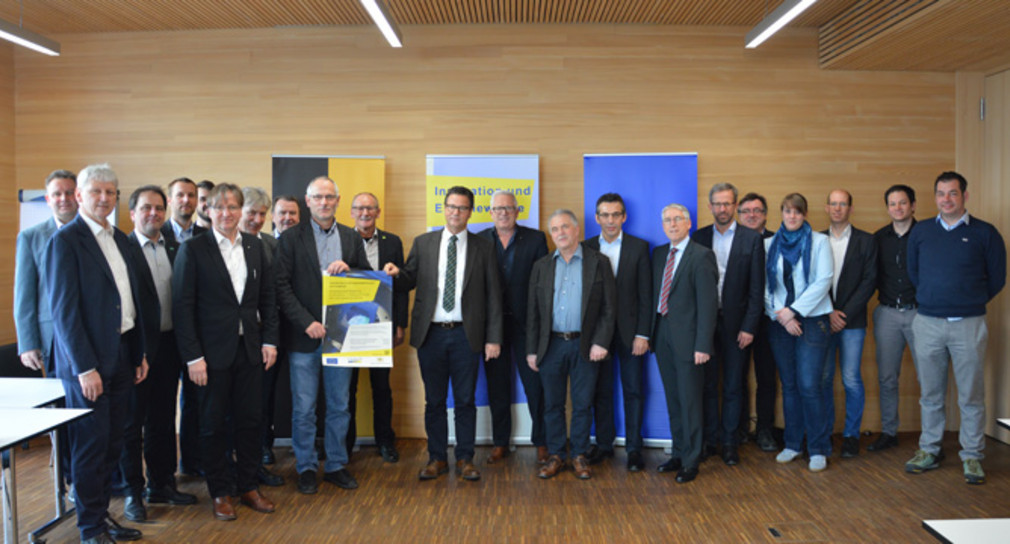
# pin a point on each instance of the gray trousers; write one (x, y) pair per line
(963, 343)
(892, 330)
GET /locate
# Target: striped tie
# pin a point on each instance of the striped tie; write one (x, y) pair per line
(664, 293)
(449, 292)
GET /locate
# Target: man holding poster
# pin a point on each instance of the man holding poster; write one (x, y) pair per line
(306, 252)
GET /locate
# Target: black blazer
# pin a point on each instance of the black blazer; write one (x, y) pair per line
(300, 280)
(481, 294)
(692, 300)
(205, 311)
(169, 234)
(85, 302)
(743, 287)
(391, 251)
(599, 301)
(634, 287)
(149, 303)
(528, 245)
(271, 244)
(858, 279)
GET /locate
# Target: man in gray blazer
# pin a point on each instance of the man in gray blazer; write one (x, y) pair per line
(685, 277)
(31, 301)
(450, 266)
(569, 326)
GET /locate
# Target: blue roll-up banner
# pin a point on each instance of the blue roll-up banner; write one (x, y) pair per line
(647, 182)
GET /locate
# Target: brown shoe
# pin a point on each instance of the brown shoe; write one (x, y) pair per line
(255, 500)
(224, 510)
(553, 466)
(581, 466)
(542, 455)
(467, 471)
(433, 470)
(497, 454)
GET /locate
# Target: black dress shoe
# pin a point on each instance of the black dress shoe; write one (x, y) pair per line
(673, 465)
(168, 494)
(850, 447)
(341, 478)
(730, 455)
(389, 453)
(596, 455)
(120, 533)
(101, 538)
(133, 508)
(307, 483)
(709, 450)
(884, 441)
(687, 474)
(635, 461)
(269, 478)
(268, 456)
(766, 440)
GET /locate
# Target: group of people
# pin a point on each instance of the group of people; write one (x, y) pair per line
(206, 299)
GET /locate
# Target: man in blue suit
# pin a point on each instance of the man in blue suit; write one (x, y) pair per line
(98, 348)
(31, 299)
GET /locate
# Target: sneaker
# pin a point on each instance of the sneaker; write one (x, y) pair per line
(923, 461)
(973, 473)
(818, 463)
(850, 447)
(786, 456)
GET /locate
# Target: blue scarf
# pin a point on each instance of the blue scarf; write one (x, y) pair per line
(791, 245)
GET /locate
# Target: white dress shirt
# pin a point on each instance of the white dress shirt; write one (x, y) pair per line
(456, 315)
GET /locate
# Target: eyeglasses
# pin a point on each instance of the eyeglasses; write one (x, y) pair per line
(231, 209)
(503, 209)
(364, 208)
(455, 208)
(328, 198)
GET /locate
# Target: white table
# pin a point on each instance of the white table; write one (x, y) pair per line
(28, 393)
(1005, 422)
(969, 531)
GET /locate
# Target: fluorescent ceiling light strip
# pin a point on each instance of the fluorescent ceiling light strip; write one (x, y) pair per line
(382, 20)
(29, 39)
(786, 12)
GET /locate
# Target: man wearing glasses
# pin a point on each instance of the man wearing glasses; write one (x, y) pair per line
(753, 214)
(517, 248)
(449, 266)
(306, 252)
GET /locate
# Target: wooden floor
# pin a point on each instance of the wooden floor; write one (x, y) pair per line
(866, 499)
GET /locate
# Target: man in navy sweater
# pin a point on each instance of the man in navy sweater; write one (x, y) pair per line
(957, 263)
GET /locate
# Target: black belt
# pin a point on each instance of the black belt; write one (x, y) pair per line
(902, 307)
(566, 335)
(448, 324)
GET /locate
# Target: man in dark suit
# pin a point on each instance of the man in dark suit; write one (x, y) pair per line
(517, 248)
(685, 277)
(855, 279)
(225, 317)
(98, 348)
(256, 204)
(307, 251)
(286, 214)
(150, 425)
(570, 323)
(629, 260)
(449, 266)
(380, 247)
(753, 214)
(740, 257)
(31, 300)
(182, 201)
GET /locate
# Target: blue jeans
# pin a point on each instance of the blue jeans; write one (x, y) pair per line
(848, 345)
(560, 364)
(305, 370)
(800, 360)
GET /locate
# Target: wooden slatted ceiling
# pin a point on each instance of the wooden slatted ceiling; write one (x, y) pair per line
(86, 16)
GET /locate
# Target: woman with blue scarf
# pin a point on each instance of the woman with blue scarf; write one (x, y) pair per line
(799, 269)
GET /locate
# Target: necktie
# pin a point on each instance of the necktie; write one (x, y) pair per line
(664, 293)
(449, 291)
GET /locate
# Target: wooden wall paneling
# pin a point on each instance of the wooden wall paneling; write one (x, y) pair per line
(217, 104)
(8, 192)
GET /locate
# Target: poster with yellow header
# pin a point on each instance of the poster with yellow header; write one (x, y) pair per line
(483, 174)
(358, 316)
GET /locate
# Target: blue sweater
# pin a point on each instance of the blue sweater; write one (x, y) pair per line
(956, 273)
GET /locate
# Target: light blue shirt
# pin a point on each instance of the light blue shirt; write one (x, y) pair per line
(948, 228)
(721, 246)
(181, 235)
(813, 298)
(327, 244)
(567, 313)
(161, 271)
(612, 250)
(679, 256)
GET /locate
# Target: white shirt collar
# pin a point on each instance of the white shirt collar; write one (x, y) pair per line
(144, 239)
(220, 237)
(95, 226)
